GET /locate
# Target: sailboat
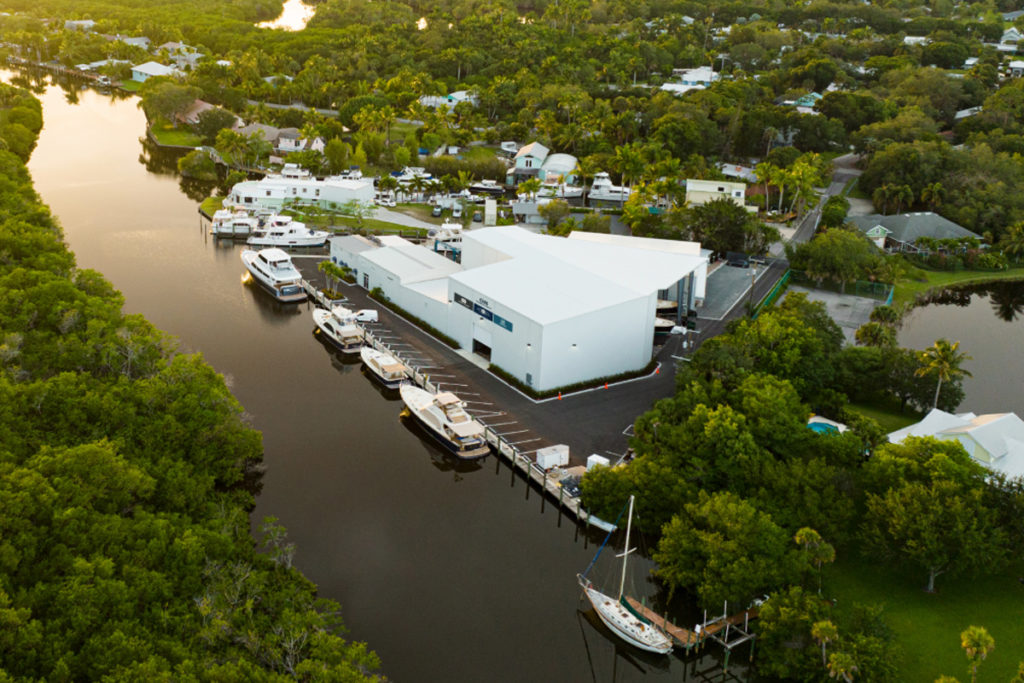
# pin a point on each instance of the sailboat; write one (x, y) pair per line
(616, 613)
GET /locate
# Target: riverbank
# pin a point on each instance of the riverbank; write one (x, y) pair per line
(908, 293)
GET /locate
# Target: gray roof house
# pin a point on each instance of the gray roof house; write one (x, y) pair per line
(900, 231)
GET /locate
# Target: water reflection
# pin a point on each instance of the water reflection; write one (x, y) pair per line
(271, 310)
(295, 14)
(1006, 298)
(441, 459)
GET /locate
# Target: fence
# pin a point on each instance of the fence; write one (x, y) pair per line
(769, 300)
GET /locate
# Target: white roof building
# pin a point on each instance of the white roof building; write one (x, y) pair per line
(995, 440)
(150, 69)
(273, 191)
(549, 311)
(691, 79)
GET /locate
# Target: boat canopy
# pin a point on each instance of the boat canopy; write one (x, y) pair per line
(446, 398)
(467, 429)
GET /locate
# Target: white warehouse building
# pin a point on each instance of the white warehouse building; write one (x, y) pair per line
(547, 310)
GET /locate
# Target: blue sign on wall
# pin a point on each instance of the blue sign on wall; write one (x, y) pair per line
(483, 311)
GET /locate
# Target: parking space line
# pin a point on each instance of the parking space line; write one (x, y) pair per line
(516, 443)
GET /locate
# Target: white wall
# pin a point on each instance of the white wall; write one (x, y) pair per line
(430, 310)
(475, 254)
(607, 342)
(610, 341)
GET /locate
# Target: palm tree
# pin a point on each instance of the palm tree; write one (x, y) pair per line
(530, 187)
(628, 162)
(943, 359)
(841, 666)
(881, 197)
(765, 173)
(932, 195)
(824, 632)
(1012, 242)
(903, 193)
(977, 643)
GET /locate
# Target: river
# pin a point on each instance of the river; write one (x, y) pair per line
(988, 321)
(450, 572)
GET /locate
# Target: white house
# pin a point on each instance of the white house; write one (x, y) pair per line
(1017, 68)
(142, 72)
(1011, 35)
(449, 100)
(547, 310)
(691, 79)
(700, 192)
(79, 25)
(273, 191)
(995, 440)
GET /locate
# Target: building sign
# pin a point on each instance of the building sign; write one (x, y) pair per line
(501, 322)
(482, 310)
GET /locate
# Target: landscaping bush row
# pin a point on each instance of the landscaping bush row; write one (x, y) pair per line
(569, 388)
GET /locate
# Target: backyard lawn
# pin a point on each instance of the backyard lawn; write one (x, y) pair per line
(927, 626)
(887, 413)
(180, 137)
(908, 290)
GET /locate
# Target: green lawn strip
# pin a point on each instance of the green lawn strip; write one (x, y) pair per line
(130, 86)
(477, 153)
(174, 136)
(907, 291)
(399, 131)
(374, 225)
(211, 204)
(886, 413)
(927, 627)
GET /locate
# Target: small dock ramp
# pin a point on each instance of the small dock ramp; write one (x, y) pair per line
(682, 637)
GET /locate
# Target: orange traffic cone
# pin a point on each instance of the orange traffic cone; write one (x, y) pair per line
(559, 395)
(657, 370)
(606, 385)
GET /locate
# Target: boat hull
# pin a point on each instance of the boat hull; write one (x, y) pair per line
(371, 367)
(626, 626)
(282, 244)
(286, 294)
(469, 453)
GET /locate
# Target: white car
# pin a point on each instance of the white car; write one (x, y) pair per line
(457, 211)
(366, 315)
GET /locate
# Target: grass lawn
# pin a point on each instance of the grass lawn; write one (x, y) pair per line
(908, 290)
(211, 204)
(374, 225)
(130, 86)
(399, 131)
(927, 627)
(887, 413)
(477, 153)
(166, 135)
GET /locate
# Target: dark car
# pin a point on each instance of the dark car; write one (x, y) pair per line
(436, 212)
(737, 259)
(478, 217)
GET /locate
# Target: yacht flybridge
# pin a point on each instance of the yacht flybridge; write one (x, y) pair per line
(283, 231)
(444, 416)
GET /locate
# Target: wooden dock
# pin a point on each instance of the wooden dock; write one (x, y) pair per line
(682, 637)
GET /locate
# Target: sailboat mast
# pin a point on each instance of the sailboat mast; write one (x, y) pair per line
(625, 552)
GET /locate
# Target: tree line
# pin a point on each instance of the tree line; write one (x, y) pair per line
(744, 499)
(127, 472)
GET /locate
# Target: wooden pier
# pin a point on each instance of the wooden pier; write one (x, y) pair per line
(549, 481)
(682, 637)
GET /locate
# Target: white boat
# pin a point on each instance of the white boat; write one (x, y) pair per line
(273, 270)
(617, 614)
(338, 327)
(488, 186)
(283, 231)
(444, 416)
(603, 190)
(389, 370)
(560, 191)
(227, 223)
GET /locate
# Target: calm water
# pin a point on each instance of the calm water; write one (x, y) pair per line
(450, 573)
(988, 321)
(295, 14)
